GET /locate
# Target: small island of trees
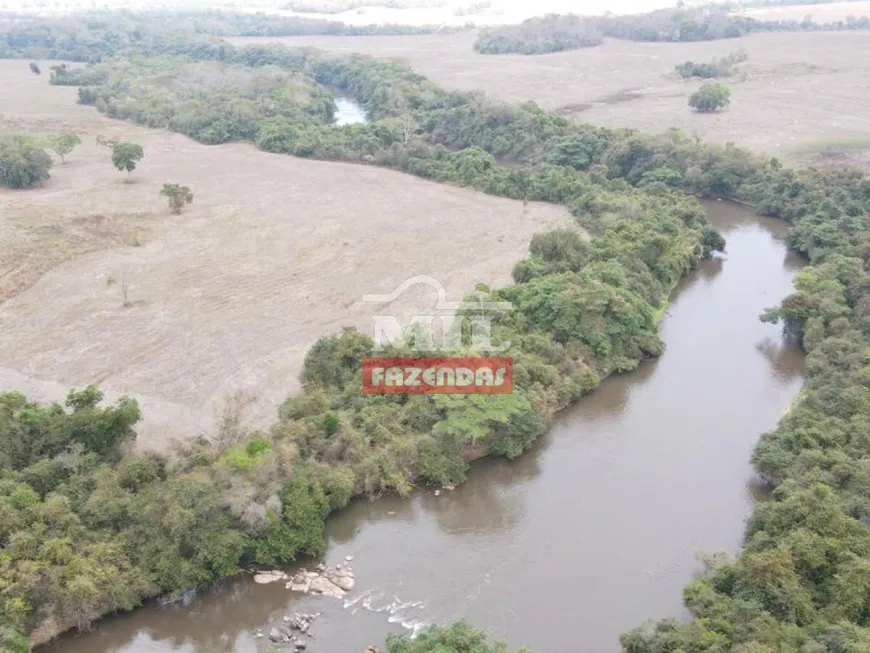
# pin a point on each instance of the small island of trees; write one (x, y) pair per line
(723, 67)
(710, 97)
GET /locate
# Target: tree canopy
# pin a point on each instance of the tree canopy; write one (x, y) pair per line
(460, 637)
(710, 97)
(125, 155)
(177, 195)
(22, 163)
(723, 67)
(90, 528)
(539, 35)
(557, 32)
(64, 144)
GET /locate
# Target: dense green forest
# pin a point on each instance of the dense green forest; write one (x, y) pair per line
(555, 33)
(263, 499)
(89, 528)
(539, 35)
(92, 36)
(210, 101)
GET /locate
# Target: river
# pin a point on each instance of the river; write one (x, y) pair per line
(592, 532)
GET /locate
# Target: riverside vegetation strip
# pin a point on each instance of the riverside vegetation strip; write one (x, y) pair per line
(88, 528)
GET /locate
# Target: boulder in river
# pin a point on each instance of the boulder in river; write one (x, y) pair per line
(299, 583)
(346, 583)
(300, 622)
(326, 580)
(273, 576)
(323, 585)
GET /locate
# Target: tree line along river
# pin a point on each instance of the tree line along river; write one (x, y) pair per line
(590, 533)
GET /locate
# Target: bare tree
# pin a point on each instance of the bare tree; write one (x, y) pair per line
(231, 423)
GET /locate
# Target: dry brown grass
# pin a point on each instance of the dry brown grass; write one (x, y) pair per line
(796, 93)
(273, 253)
(38, 241)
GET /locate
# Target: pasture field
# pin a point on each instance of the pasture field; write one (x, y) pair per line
(798, 95)
(226, 298)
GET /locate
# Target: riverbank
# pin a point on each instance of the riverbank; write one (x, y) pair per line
(651, 449)
(245, 509)
(507, 426)
(582, 310)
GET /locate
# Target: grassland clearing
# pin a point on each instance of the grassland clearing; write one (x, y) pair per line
(274, 253)
(797, 91)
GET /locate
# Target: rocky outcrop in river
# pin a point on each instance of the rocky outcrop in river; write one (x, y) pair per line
(293, 631)
(334, 582)
(329, 581)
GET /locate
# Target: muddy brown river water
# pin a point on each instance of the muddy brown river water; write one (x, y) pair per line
(592, 532)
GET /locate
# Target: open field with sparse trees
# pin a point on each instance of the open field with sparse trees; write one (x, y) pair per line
(798, 96)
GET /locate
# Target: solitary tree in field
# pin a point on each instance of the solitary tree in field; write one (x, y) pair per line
(34, 68)
(710, 97)
(178, 196)
(64, 144)
(125, 156)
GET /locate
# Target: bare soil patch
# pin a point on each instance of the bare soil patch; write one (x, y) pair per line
(797, 89)
(37, 242)
(274, 252)
(841, 158)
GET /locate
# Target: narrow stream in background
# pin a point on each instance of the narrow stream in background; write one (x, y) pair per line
(592, 532)
(348, 111)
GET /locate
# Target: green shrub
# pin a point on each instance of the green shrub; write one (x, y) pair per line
(257, 446)
(22, 164)
(710, 97)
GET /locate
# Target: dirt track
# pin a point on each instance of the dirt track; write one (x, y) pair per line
(274, 252)
(798, 93)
